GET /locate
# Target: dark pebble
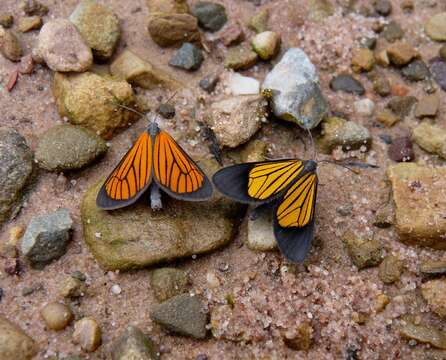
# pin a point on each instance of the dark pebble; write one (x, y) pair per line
(347, 83)
(202, 357)
(188, 57)
(416, 71)
(402, 105)
(211, 16)
(438, 71)
(386, 138)
(209, 83)
(1, 294)
(401, 149)
(166, 110)
(383, 7)
(12, 266)
(79, 275)
(442, 52)
(392, 32)
(352, 353)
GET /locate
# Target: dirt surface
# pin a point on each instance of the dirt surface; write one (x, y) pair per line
(274, 296)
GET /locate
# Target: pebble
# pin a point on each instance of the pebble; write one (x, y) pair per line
(16, 169)
(183, 315)
(26, 65)
(209, 82)
(138, 72)
(168, 30)
(442, 52)
(435, 27)
(392, 32)
(390, 269)
(29, 23)
(188, 57)
(381, 86)
(347, 134)
(87, 334)
(47, 236)
(300, 339)
(294, 86)
(168, 6)
(57, 316)
(362, 60)
(401, 53)
(240, 58)
(345, 210)
(67, 147)
(423, 334)
(382, 58)
(266, 44)
(134, 344)
(260, 235)
(382, 300)
(364, 107)
(434, 292)
(259, 22)
(116, 289)
(91, 100)
(368, 42)
(6, 20)
(243, 85)
(416, 71)
(15, 343)
(33, 7)
(383, 7)
(62, 48)
(401, 149)
(72, 287)
(166, 110)
(430, 138)
(347, 83)
(168, 282)
(99, 27)
(212, 280)
(10, 46)
(364, 253)
(211, 16)
(427, 106)
(384, 217)
(433, 267)
(236, 119)
(232, 35)
(438, 71)
(415, 188)
(402, 105)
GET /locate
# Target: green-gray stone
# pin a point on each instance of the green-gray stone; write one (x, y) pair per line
(168, 282)
(183, 314)
(135, 345)
(390, 269)
(259, 22)
(136, 236)
(402, 105)
(16, 161)
(98, 26)
(68, 147)
(211, 16)
(392, 32)
(14, 343)
(363, 252)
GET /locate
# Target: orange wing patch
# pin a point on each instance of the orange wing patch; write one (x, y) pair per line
(173, 168)
(133, 172)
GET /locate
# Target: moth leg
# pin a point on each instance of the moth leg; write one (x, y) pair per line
(257, 212)
(155, 197)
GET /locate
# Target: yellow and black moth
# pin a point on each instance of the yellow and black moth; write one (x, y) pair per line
(288, 187)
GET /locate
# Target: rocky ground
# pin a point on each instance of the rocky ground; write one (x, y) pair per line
(231, 81)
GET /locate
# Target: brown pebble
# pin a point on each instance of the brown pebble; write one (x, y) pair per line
(401, 149)
(87, 334)
(232, 35)
(12, 80)
(57, 316)
(26, 65)
(300, 339)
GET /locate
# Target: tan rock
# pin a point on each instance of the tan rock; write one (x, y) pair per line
(300, 339)
(138, 72)
(362, 60)
(434, 292)
(427, 106)
(363, 252)
(381, 301)
(430, 138)
(401, 53)
(14, 343)
(419, 194)
(240, 58)
(87, 334)
(29, 23)
(168, 6)
(390, 269)
(423, 334)
(387, 117)
(173, 29)
(57, 316)
(10, 46)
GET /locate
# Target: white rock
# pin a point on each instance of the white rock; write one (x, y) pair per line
(243, 85)
(260, 233)
(364, 107)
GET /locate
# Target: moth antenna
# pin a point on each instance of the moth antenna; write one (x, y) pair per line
(129, 109)
(341, 165)
(171, 97)
(312, 144)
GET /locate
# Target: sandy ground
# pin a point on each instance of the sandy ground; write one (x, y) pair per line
(275, 296)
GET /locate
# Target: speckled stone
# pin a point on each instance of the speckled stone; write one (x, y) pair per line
(430, 138)
(133, 344)
(390, 269)
(347, 83)
(435, 27)
(14, 342)
(168, 282)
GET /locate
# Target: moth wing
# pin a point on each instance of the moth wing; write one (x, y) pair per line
(130, 179)
(176, 173)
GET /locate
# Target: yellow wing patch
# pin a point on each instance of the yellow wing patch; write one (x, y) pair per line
(297, 206)
(173, 168)
(269, 178)
(133, 172)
